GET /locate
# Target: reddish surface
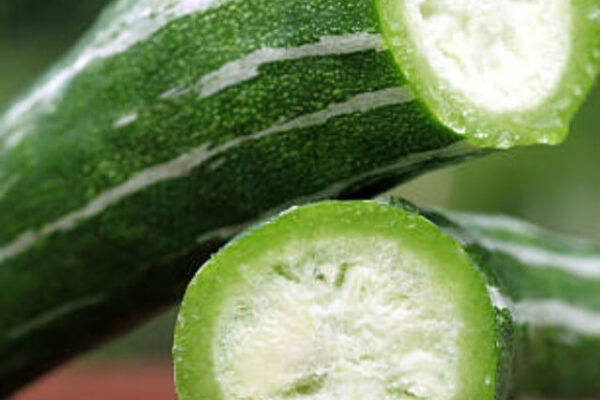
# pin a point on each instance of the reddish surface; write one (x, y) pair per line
(153, 381)
(124, 381)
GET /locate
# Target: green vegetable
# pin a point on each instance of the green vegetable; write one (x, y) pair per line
(355, 300)
(550, 285)
(175, 123)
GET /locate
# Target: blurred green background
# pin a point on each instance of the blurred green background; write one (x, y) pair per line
(557, 187)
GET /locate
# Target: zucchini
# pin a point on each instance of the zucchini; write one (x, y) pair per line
(174, 123)
(363, 299)
(550, 284)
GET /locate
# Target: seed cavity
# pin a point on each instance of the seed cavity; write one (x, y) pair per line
(318, 275)
(307, 385)
(341, 275)
(284, 271)
(402, 393)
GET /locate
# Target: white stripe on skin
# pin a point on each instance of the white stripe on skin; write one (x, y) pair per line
(175, 92)
(548, 313)
(583, 265)
(51, 315)
(185, 163)
(125, 120)
(246, 68)
(494, 222)
(556, 313)
(504, 223)
(138, 21)
(222, 233)
(587, 266)
(498, 299)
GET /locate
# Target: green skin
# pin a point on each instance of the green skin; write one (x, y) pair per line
(549, 359)
(117, 178)
(529, 357)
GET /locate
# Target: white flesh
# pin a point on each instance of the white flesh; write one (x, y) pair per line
(384, 332)
(501, 55)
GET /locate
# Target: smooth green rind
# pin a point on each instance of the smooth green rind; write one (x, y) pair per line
(547, 123)
(226, 276)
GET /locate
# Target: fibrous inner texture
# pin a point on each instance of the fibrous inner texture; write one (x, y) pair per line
(340, 318)
(501, 55)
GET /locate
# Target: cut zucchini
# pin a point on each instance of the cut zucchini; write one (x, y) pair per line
(550, 285)
(364, 300)
(503, 72)
(338, 301)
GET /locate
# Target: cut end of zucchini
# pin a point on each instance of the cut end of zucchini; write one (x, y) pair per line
(502, 56)
(338, 301)
(502, 72)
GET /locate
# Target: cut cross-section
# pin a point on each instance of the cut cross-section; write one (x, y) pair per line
(338, 301)
(501, 55)
(500, 71)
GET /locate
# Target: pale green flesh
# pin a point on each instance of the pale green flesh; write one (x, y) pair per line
(502, 72)
(328, 314)
(353, 314)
